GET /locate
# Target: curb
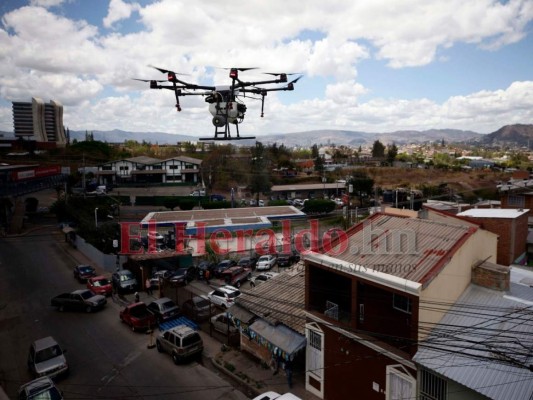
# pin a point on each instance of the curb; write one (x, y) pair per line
(256, 391)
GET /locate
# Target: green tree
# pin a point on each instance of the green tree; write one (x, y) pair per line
(378, 149)
(260, 182)
(171, 202)
(392, 152)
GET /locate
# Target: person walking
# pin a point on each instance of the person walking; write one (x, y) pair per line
(207, 275)
(148, 286)
(288, 372)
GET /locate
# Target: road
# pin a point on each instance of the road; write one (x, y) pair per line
(107, 360)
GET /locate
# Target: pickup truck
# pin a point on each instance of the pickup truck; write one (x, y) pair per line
(138, 317)
(80, 300)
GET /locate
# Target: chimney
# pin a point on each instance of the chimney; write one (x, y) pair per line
(492, 276)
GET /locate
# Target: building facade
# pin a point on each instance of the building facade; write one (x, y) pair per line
(147, 170)
(375, 297)
(39, 121)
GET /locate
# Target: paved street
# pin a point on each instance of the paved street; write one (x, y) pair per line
(107, 360)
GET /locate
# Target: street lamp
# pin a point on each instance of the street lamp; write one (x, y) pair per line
(96, 217)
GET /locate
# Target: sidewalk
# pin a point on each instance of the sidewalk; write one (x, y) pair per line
(239, 365)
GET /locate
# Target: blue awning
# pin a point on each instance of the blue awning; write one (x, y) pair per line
(280, 336)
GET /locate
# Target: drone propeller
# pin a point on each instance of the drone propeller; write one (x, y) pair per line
(167, 71)
(242, 69)
(149, 80)
(282, 73)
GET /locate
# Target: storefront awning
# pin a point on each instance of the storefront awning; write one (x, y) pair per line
(279, 336)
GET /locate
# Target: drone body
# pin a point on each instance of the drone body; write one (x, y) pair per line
(225, 104)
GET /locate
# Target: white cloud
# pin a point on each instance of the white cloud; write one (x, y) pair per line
(118, 10)
(76, 62)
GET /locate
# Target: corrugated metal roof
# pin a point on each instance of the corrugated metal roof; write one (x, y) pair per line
(410, 248)
(485, 342)
(280, 299)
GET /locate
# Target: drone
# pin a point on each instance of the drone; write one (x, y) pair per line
(225, 104)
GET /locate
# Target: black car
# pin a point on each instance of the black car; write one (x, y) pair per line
(83, 272)
(247, 262)
(204, 266)
(181, 276)
(224, 265)
(287, 259)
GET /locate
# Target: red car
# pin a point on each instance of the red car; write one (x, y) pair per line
(100, 285)
(137, 316)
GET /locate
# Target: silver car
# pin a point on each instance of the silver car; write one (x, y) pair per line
(46, 358)
(181, 342)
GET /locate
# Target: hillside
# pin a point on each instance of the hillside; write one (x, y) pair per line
(512, 135)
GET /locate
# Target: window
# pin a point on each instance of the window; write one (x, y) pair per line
(314, 358)
(516, 201)
(400, 384)
(173, 167)
(401, 303)
(432, 387)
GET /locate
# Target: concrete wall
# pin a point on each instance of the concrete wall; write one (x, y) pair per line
(108, 262)
(450, 283)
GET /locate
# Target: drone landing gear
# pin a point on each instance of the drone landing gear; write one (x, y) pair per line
(225, 133)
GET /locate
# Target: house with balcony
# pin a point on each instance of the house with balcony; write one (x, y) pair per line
(373, 296)
(148, 170)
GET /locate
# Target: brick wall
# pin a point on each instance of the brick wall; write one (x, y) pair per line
(491, 276)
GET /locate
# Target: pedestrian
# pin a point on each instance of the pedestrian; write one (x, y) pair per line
(137, 299)
(288, 372)
(206, 276)
(148, 286)
(274, 364)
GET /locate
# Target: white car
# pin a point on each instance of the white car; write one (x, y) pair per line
(263, 277)
(224, 296)
(223, 323)
(265, 262)
(276, 396)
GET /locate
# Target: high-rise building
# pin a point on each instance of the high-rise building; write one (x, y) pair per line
(39, 121)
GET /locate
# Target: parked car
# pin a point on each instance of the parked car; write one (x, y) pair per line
(124, 281)
(100, 285)
(274, 395)
(287, 259)
(234, 276)
(224, 296)
(217, 197)
(159, 275)
(197, 308)
(204, 266)
(41, 388)
(79, 300)
(137, 316)
(262, 277)
(266, 262)
(164, 309)
(223, 323)
(46, 358)
(261, 203)
(181, 276)
(224, 265)
(247, 262)
(181, 342)
(83, 272)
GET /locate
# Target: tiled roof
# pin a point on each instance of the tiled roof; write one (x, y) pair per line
(279, 300)
(410, 248)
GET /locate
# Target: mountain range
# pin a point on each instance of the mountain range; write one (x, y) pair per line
(518, 135)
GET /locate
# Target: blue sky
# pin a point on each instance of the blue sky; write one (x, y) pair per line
(374, 66)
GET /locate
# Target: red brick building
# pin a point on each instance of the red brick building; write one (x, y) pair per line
(511, 226)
